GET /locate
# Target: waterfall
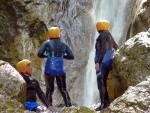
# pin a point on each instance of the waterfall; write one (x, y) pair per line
(115, 12)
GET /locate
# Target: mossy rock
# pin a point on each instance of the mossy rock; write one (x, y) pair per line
(11, 106)
(81, 109)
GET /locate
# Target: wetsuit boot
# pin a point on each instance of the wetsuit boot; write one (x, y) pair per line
(103, 100)
(61, 82)
(107, 99)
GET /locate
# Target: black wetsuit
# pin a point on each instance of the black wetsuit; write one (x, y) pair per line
(56, 48)
(33, 88)
(104, 42)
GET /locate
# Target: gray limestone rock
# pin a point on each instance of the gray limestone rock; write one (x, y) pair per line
(131, 64)
(136, 99)
(12, 89)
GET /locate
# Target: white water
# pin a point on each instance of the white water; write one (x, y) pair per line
(114, 11)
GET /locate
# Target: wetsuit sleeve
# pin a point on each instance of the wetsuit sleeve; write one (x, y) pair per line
(102, 42)
(115, 46)
(42, 51)
(41, 95)
(68, 53)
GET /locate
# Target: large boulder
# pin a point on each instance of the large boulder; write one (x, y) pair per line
(12, 89)
(140, 17)
(135, 100)
(131, 64)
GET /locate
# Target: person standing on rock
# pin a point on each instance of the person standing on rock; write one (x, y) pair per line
(103, 60)
(56, 51)
(32, 88)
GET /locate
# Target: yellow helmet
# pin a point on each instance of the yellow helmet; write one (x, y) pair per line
(54, 32)
(21, 66)
(102, 25)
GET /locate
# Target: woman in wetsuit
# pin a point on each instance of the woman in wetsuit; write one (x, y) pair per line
(56, 51)
(103, 60)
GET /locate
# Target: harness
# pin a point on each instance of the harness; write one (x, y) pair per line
(54, 62)
(54, 51)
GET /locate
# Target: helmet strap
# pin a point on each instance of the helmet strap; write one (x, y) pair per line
(26, 73)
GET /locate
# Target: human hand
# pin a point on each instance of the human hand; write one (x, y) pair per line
(97, 67)
(52, 108)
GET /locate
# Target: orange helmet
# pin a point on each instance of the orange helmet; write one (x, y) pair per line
(102, 25)
(21, 66)
(54, 32)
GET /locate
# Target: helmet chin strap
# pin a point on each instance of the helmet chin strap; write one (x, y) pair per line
(27, 73)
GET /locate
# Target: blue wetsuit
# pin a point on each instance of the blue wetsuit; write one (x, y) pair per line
(107, 61)
(56, 51)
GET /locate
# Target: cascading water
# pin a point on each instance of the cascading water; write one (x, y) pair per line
(115, 12)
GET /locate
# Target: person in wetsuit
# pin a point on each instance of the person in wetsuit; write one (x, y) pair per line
(32, 88)
(56, 51)
(103, 60)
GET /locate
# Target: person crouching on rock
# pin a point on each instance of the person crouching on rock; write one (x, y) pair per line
(32, 88)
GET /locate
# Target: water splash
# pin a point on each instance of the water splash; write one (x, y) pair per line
(115, 12)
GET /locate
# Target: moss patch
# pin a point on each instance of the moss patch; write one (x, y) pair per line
(4, 19)
(11, 107)
(80, 109)
(86, 110)
(1, 85)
